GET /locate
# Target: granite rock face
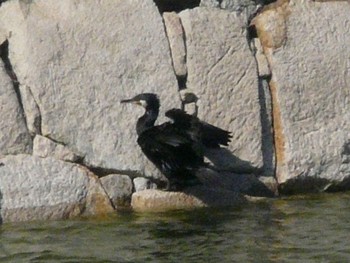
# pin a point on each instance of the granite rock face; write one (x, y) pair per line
(79, 60)
(14, 135)
(65, 65)
(34, 188)
(244, 8)
(44, 147)
(310, 91)
(222, 73)
(176, 39)
(31, 110)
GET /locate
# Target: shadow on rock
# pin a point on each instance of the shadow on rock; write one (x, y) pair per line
(215, 197)
(248, 184)
(223, 159)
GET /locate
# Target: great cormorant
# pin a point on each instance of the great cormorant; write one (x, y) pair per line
(176, 148)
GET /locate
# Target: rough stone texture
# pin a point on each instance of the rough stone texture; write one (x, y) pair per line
(44, 147)
(261, 60)
(80, 59)
(310, 91)
(2, 35)
(209, 3)
(34, 188)
(31, 111)
(141, 183)
(222, 73)
(176, 39)
(14, 136)
(245, 8)
(268, 145)
(119, 189)
(156, 200)
(248, 184)
(97, 200)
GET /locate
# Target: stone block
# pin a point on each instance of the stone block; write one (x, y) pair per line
(306, 44)
(222, 74)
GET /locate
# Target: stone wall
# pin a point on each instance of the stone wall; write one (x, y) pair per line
(277, 76)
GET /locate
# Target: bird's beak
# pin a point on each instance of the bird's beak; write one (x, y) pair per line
(126, 101)
(131, 101)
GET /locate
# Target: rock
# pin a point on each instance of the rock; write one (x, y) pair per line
(88, 56)
(249, 184)
(31, 111)
(119, 189)
(222, 73)
(141, 183)
(209, 3)
(263, 66)
(176, 39)
(196, 197)
(97, 200)
(44, 147)
(310, 92)
(14, 136)
(244, 8)
(34, 188)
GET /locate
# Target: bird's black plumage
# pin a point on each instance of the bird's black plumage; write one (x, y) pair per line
(176, 148)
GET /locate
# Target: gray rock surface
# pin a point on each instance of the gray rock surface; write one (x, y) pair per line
(34, 188)
(209, 3)
(222, 73)
(196, 197)
(244, 8)
(14, 135)
(176, 39)
(97, 201)
(119, 189)
(31, 111)
(44, 147)
(80, 60)
(310, 91)
(249, 184)
(261, 60)
(141, 183)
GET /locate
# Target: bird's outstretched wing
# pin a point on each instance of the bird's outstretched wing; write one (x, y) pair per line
(209, 135)
(170, 149)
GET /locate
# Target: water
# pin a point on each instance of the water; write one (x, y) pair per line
(300, 229)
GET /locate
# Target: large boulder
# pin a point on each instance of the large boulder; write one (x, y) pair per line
(307, 47)
(79, 59)
(222, 73)
(34, 188)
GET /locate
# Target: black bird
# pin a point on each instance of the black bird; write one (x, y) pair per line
(176, 148)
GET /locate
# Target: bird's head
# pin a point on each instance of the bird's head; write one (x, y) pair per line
(146, 100)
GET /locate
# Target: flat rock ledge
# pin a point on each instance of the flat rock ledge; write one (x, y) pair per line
(197, 197)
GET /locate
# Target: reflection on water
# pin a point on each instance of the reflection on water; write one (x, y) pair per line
(309, 229)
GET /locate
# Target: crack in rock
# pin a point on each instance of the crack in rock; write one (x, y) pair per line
(4, 55)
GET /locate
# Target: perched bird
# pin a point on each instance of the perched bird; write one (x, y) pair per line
(176, 148)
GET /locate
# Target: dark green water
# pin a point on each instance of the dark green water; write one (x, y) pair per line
(300, 229)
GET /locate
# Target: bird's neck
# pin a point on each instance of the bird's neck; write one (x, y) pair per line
(147, 120)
